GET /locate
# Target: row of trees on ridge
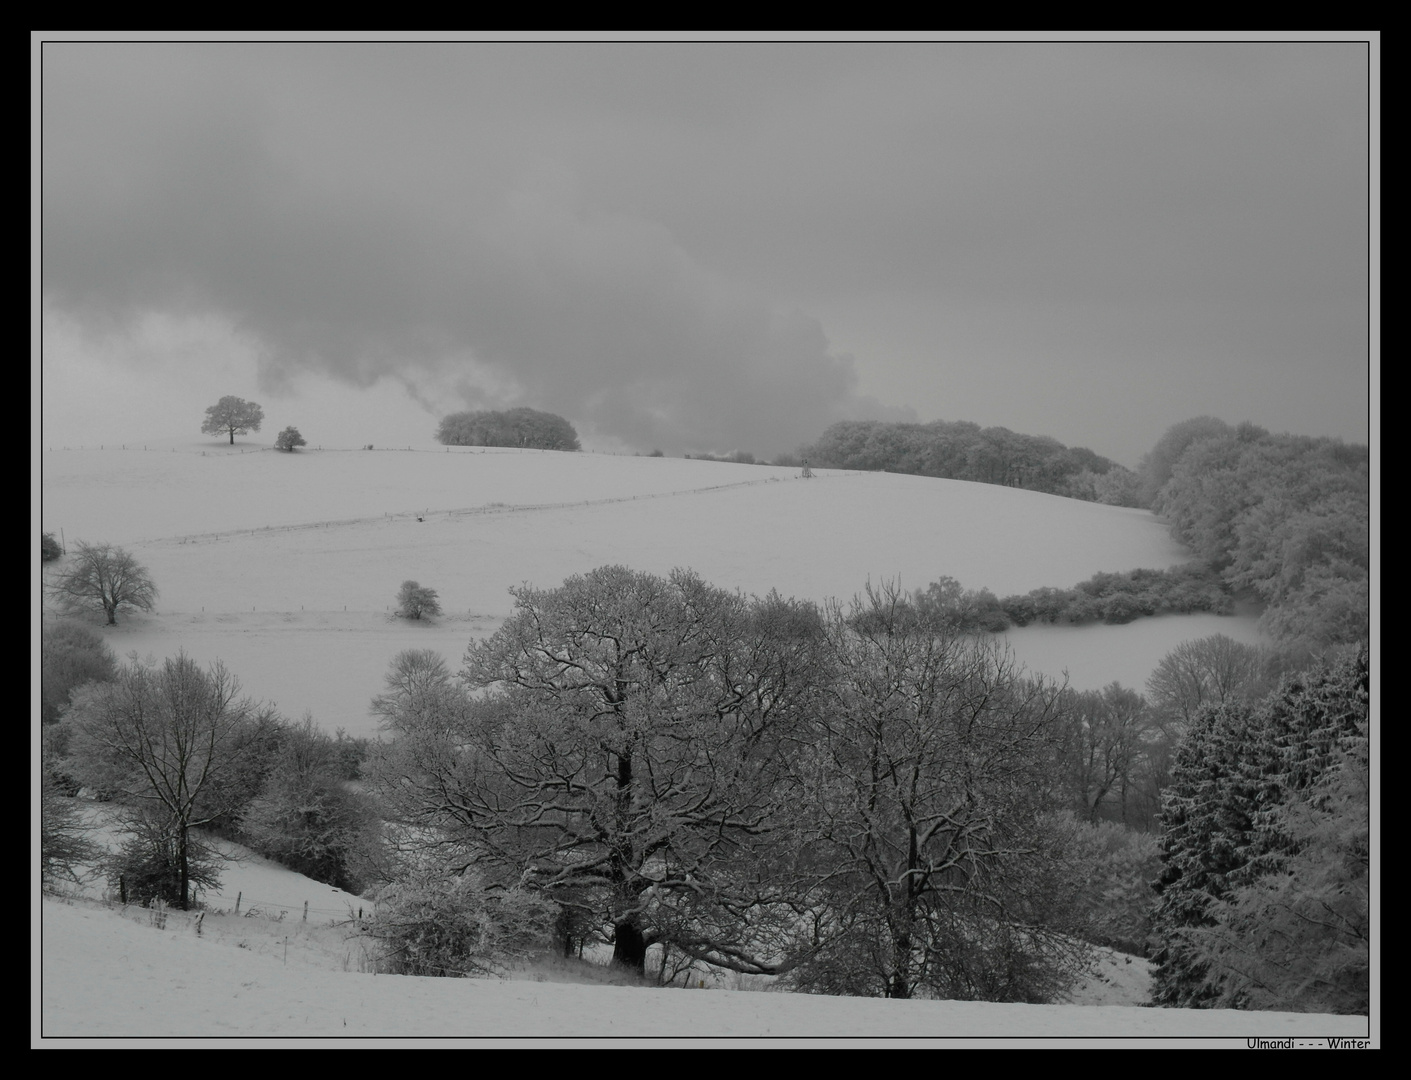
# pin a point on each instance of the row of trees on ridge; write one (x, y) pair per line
(514, 427)
(961, 450)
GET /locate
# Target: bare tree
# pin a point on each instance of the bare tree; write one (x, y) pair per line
(169, 738)
(105, 576)
(1215, 670)
(1106, 737)
(941, 878)
(65, 847)
(233, 416)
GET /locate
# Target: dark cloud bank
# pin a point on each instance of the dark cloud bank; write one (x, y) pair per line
(1079, 239)
(248, 187)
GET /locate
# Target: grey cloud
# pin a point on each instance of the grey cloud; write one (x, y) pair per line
(645, 238)
(177, 197)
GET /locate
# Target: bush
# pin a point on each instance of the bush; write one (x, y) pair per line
(49, 549)
(1119, 864)
(71, 654)
(456, 925)
(306, 817)
(415, 602)
(1121, 608)
(288, 439)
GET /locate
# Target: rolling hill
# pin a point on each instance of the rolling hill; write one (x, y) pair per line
(286, 566)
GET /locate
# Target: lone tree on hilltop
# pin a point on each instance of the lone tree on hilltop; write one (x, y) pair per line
(106, 576)
(414, 602)
(233, 416)
(288, 439)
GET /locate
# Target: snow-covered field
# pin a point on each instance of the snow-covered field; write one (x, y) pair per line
(109, 974)
(285, 567)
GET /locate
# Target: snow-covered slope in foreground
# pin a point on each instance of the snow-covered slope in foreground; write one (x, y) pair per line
(108, 977)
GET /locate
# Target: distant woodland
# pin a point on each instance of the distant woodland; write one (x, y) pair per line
(527, 428)
(964, 451)
(1284, 517)
(1280, 519)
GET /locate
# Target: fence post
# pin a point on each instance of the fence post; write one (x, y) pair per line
(237, 902)
(306, 912)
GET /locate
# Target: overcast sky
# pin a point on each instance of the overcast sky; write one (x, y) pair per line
(705, 247)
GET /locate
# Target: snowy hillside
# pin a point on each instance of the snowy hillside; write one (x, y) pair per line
(286, 566)
(107, 976)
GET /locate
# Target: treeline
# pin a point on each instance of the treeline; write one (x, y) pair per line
(1285, 517)
(1109, 598)
(863, 799)
(654, 763)
(527, 428)
(962, 450)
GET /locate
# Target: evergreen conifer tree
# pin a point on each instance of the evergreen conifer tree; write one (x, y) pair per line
(1264, 889)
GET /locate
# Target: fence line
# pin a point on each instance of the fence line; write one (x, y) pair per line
(471, 511)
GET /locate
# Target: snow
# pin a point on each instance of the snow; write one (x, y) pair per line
(108, 974)
(285, 568)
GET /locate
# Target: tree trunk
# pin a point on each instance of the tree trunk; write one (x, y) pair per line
(629, 948)
(182, 861)
(563, 930)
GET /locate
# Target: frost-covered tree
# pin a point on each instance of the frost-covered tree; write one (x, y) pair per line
(232, 416)
(417, 602)
(625, 755)
(288, 439)
(1105, 736)
(1298, 937)
(103, 576)
(1255, 791)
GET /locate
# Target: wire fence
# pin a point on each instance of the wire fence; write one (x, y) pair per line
(438, 514)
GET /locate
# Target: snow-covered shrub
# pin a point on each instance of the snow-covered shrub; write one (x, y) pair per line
(433, 923)
(1118, 865)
